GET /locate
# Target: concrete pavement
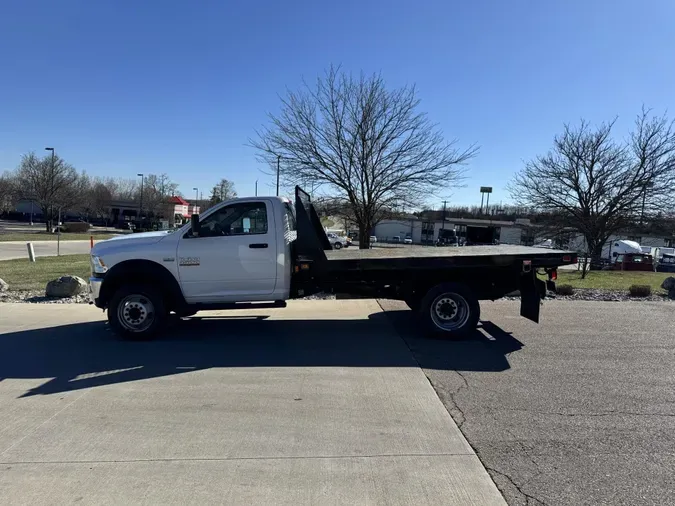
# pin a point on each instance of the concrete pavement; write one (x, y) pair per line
(17, 249)
(317, 403)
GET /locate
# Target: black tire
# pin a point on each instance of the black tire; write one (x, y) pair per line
(337, 245)
(143, 304)
(450, 310)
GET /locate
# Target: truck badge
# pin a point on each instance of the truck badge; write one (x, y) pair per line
(188, 261)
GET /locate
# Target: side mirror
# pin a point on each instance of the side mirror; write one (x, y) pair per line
(195, 225)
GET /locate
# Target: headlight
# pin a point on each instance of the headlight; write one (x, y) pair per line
(97, 265)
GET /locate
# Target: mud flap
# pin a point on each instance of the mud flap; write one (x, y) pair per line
(532, 290)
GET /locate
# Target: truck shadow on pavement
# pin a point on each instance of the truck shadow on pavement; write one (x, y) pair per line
(85, 355)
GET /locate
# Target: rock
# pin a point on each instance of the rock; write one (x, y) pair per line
(668, 283)
(66, 286)
(3, 286)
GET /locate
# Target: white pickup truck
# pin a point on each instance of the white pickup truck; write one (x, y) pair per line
(265, 250)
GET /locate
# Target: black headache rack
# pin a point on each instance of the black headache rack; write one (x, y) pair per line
(312, 240)
(309, 259)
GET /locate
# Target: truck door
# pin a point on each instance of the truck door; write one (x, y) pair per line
(234, 257)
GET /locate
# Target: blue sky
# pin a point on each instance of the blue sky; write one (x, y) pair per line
(121, 87)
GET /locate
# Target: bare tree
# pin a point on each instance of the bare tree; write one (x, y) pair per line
(222, 191)
(364, 144)
(51, 182)
(156, 191)
(99, 199)
(122, 188)
(8, 193)
(596, 186)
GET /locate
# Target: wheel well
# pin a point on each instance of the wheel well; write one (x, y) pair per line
(142, 271)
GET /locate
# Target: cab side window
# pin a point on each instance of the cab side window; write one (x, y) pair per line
(246, 218)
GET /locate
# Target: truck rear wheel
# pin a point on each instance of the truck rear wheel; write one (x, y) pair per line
(137, 312)
(450, 310)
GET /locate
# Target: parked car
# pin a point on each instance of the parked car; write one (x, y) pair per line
(373, 239)
(634, 262)
(396, 239)
(666, 263)
(337, 241)
(407, 240)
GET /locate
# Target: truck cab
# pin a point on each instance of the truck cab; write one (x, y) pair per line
(239, 250)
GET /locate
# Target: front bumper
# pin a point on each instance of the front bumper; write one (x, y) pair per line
(94, 290)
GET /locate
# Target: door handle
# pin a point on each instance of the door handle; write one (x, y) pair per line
(258, 245)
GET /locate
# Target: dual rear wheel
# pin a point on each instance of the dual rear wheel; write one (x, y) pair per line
(448, 310)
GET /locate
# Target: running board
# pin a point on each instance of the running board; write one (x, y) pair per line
(238, 305)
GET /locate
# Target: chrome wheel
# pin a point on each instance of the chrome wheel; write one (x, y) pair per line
(136, 313)
(449, 311)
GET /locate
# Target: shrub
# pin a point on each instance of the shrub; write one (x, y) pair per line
(640, 290)
(564, 290)
(75, 227)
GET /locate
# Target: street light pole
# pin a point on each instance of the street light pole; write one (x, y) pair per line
(140, 208)
(51, 196)
(194, 208)
(256, 187)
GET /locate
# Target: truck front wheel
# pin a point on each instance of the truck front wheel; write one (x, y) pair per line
(137, 312)
(450, 310)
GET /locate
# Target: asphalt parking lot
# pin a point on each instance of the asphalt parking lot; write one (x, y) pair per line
(579, 409)
(318, 403)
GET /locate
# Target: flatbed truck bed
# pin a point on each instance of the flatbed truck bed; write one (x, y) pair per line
(431, 257)
(442, 284)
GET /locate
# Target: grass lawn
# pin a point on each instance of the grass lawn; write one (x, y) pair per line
(44, 236)
(23, 275)
(613, 280)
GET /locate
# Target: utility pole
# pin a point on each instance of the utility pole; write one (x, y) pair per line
(256, 188)
(443, 222)
(644, 200)
(278, 165)
(140, 208)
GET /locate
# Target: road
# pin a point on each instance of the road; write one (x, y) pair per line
(577, 410)
(16, 249)
(318, 403)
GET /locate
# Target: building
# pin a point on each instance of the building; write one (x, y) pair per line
(119, 212)
(487, 231)
(471, 230)
(179, 210)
